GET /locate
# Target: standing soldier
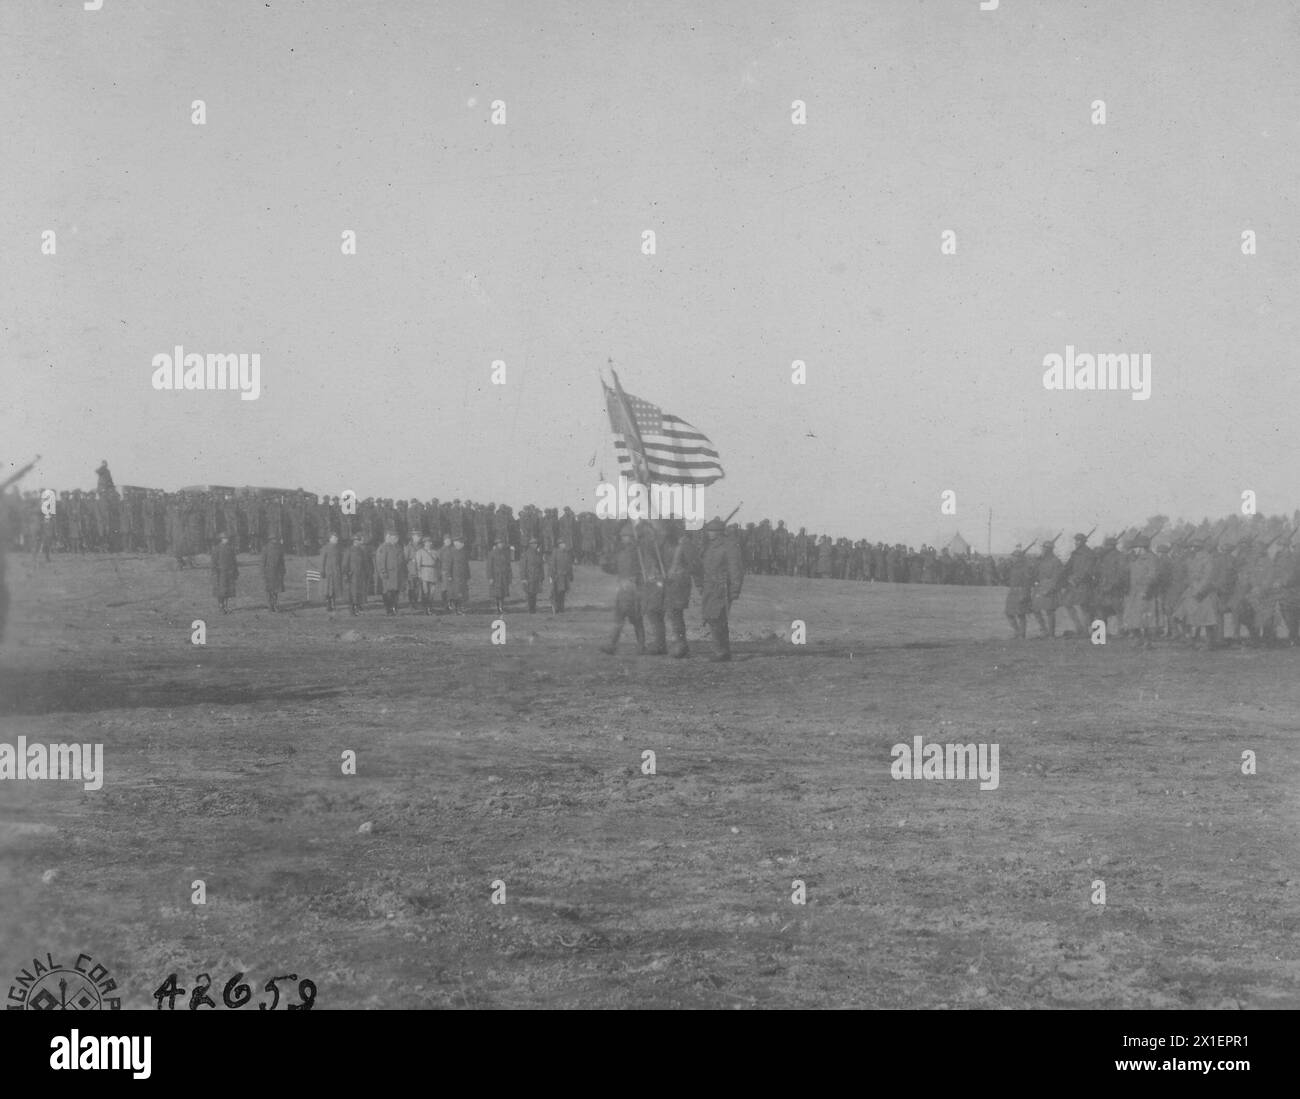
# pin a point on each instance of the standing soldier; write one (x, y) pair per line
(230, 512)
(1047, 577)
(532, 570)
(560, 566)
(356, 573)
(587, 530)
(458, 580)
(481, 533)
(75, 544)
(627, 602)
(272, 570)
(225, 573)
(502, 521)
(1020, 581)
(781, 549)
(549, 536)
(499, 574)
(390, 571)
(718, 586)
(565, 527)
(799, 559)
(331, 570)
(413, 585)
(428, 571)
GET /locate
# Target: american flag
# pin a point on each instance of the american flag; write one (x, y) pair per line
(314, 576)
(654, 445)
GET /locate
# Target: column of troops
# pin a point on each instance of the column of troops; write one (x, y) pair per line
(1234, 581)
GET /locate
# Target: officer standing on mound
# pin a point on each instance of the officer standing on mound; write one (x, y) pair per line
(719, 582)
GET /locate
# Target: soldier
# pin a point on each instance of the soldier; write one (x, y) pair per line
(718, 585)
(565, 527)
(549, 536)
(356, 573)
(1076, 583)
(272, 570)
(502, 522)
(413, 583)
(680, 556)
(481, 543)
(532, 570)
(586, 551)
(390, 571)
(781, 549)
(1112, 581)
(105, 479)
(225, 573)
(653, 593)
(1286, 578)
(627, 602)
(428, 569)
(499, 574)
(1047, 575)
(1147, 576)
(1020, 581)
(1205, 580)
(331, 570)
(459, 576)
(559, 566)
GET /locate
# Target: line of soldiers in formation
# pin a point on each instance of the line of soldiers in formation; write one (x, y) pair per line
(1151, 584)
(433, 578)
(144, 520)
(656, 564)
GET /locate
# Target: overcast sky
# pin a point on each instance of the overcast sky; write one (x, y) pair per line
(775, 242)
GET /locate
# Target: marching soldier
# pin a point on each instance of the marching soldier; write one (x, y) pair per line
(1075, 585)
(627, 603)
(1148, 576)
(1020, 581)
(1112, 580)
(1047, 575)
(718, 586)
(681, 558)
(653, 592)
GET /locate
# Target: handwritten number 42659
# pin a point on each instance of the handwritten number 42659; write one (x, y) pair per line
(235, 994)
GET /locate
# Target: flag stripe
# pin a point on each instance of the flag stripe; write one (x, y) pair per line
(665, 447)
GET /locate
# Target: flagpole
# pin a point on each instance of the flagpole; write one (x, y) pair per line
(640, 468)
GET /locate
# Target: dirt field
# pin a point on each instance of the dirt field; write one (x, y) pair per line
(522, 763)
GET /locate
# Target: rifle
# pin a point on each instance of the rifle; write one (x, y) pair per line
(733, 512)
(20, 474)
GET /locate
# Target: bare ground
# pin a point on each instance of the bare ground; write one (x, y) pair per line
(521, 763)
